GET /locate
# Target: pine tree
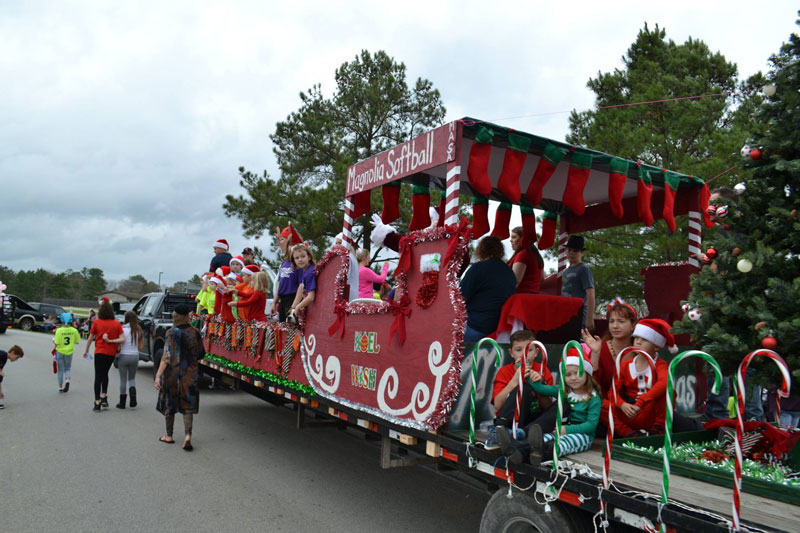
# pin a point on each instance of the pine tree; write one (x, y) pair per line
(739, 309)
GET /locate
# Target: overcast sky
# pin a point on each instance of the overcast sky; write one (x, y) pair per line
(122, 124)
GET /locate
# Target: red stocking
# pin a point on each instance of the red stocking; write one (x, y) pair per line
(671, 184)
(513, 162)
(480, 216)
(502, 218)
(644, 193)
(548, 237)
(478, 169)
(580, 165)
(528, 227)
(420, 204)
(442, 200)
(361, 203)
(551, 157)
(705, 194)
(616, 184)
(391, 202)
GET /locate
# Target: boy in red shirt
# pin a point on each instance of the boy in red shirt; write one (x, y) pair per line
(506, 385)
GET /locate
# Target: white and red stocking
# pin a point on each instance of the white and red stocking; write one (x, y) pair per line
(580, 164)
(480, 216)
(671, 184)
(616, 185)
(548, 238)
(429, 265)
(550, 159)
(513, 162)
(478, 169)
(502, 218)
(420, 205)
(391, 202)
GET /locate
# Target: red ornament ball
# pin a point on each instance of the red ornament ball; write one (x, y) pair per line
(711, 253)
(770, 343)
(755, 154)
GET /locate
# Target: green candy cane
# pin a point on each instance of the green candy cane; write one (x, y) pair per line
(497, 363)
(562, 395)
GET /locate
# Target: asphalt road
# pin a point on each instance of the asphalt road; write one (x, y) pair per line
(65, 468)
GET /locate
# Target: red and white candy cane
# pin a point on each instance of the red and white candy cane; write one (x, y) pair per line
(542, 350)
(519, 394)
(740, 401)
(610, 435)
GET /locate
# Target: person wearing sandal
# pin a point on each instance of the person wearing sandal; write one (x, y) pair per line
(177, 375)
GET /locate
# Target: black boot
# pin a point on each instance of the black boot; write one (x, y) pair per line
(122, 398)
(535, 441)
(132, 392)
(515, 450)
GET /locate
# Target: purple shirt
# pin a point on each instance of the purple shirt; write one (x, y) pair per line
(287, 283)
(306, 277)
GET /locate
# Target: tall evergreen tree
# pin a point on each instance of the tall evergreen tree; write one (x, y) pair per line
(749, 296)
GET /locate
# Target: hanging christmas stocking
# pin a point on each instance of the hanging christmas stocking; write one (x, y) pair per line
(391, 202)
(616, 184)
(513, 162)
(580, 165)
(671, 184)
(361, 203)
(429, 265)
(442, 199)
(550, 159)
(643, 194)
(478, 169)
(528, 227)
(502, 218)
(420, 203)
(705, 194)
(480, 216)
(548, 237)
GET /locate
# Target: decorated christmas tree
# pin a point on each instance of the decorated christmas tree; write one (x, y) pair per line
(747, 296)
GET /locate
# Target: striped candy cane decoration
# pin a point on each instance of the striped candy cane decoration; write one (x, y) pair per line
(522, 366)
(542, 350)
(695, 236)
(740, 401)
(562, 396)
(497, 362)
(347, 227)
(451, 194)
(563, 263)
(668, 427)
(610, 435)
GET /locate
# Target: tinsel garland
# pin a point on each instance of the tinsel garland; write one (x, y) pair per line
(692, 452)
(263, 374)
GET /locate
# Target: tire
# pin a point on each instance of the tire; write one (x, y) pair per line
(521, 514)
(3, 329)
(26, 324)
(157, 359)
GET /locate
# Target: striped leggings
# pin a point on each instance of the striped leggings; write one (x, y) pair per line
(571, 443)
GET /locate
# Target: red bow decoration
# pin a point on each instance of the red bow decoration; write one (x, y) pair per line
(462, 230)
(404, 264)
(400, 311)
(341, 313)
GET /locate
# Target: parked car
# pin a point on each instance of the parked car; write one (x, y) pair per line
(155, 316)
(120, 308)
(48, 309)
(26, 317)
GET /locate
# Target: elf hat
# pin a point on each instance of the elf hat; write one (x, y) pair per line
(656, 331)
(221, 243)
(290, 233)
(574, 358)
(251, 269)
(238, 259)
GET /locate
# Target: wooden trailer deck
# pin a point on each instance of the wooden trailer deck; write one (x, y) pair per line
(754, 509)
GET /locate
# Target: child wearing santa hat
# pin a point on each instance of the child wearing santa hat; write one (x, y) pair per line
(221, 256)
(251, 307)
(641, 402)
(582, 409)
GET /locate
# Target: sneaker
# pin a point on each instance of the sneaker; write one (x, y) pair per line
(66, 386)
(2, 405)
(96, 408)
(491, 441)
(61, 389)
(104, 402)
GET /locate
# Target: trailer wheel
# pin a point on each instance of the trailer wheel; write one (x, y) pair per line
(522, 514)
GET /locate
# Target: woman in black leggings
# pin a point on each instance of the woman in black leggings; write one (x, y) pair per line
(104, 352)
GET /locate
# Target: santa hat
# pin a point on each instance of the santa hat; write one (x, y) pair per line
(219, 281)
(103, 300)
(656, 331)
(574, 358)
(221, 243)
(290, 233)
(238, 259)
(251, 269)
(222, 271)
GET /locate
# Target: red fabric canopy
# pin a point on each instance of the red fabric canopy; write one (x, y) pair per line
(539, 312)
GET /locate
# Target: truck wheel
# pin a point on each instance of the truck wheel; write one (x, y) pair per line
(157, 359)
(522, 514)
(26, 324)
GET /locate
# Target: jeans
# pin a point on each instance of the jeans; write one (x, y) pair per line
(473, 335)
(717, 404)
(790, 418)
(64, 364)
(128, 364)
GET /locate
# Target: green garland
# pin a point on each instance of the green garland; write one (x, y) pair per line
(691, 452)
(263, 374)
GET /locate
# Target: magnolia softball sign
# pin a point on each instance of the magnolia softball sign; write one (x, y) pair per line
(420, 153)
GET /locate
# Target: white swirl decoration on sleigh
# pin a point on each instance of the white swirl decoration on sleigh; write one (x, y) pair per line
(328, 378)
(421, 396)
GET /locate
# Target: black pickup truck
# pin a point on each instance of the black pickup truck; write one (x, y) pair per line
(7, 310)
(155, 317)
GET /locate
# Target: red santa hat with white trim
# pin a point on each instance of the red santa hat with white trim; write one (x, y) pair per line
(219, 281)
(251, 269)
(238, 259)
(574, 358)
(221, 243)
(656, 331)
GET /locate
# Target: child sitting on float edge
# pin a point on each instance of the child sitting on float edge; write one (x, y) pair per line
(304, 276)
(506, 384)
(582, 409)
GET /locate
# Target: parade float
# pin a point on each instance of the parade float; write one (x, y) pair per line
(400, 368)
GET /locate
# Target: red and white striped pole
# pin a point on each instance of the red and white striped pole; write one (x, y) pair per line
(347, 227)
(695, 229)
(563, 262)
(453, 188)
